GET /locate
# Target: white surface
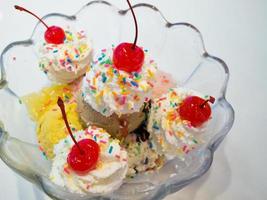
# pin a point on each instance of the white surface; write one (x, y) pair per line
(235, 31)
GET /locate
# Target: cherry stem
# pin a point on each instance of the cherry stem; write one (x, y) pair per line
(211, 100)
(25, 10)
(135, 23)
(61, 105)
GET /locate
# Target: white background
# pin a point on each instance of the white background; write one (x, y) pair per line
(235, 31)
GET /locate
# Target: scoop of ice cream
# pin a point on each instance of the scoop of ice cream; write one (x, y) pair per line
(111, 123)
(142, 156)
(172, 135)
(109, 173)
(109, 90)
(42, 108)
(51, 127)
(66, 62)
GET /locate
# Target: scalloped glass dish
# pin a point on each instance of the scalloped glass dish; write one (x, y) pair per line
(178, 49)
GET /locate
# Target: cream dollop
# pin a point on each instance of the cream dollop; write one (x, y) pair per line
(68, 61)
(110, 171)
(172, 135)
(109, 90)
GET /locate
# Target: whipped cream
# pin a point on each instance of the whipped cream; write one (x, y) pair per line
(66, 62)
(172, 135)
(110, 171)
(109, 90)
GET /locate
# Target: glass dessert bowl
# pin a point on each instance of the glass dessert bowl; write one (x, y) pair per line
(178, 49)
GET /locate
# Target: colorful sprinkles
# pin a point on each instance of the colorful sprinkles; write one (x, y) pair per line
(167, 126)
(126, 92)
(142, 157)
(110, 149)
(65, 56)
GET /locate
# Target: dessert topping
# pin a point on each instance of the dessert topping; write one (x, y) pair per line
(128, 56)
(53, 34)
(84, 154)
(196, 110)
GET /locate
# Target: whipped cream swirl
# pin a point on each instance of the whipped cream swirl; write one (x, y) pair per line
(110, 171)
(66, 62)
(109, 90)
(172, 135)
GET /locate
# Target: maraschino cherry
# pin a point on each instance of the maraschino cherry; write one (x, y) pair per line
(195, 110)
(84, 154)
(127, 56)
(53, 34)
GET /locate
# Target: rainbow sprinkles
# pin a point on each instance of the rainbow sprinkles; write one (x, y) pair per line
(109, 90)
(68, 60)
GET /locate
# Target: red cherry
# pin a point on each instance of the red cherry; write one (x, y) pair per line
(84, 154)
(82, 162)
(195, 110)
(54, 35)
(128, 58)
